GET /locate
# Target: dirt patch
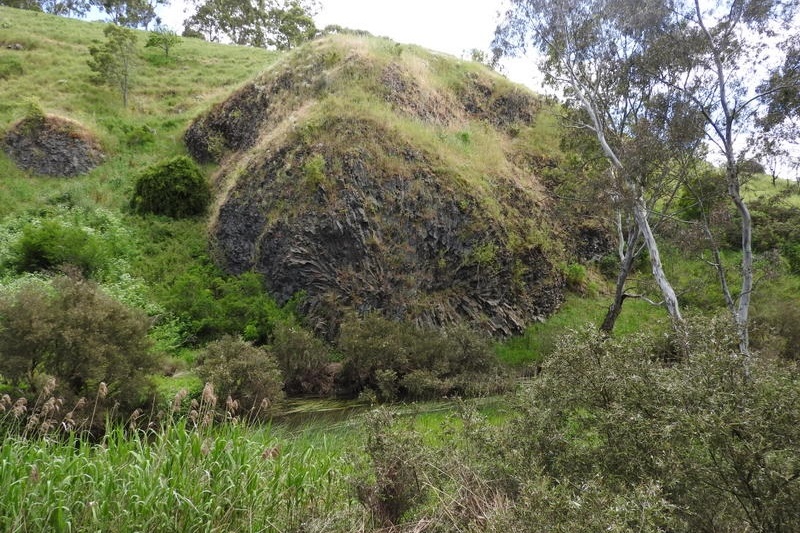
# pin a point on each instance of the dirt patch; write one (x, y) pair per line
(52, 146)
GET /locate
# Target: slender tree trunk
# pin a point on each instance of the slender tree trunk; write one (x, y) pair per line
(742, 312)
(667, 292)
(626, 264)
(639, 207)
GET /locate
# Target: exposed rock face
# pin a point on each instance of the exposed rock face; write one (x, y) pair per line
(52, 146)
(359, 212)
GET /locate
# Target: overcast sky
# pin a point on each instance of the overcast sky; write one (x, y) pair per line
(451, 26)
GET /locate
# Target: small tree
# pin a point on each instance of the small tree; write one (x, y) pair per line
(113, 62)
(163, 38)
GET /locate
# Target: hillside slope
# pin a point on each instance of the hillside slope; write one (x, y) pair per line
(368, 175)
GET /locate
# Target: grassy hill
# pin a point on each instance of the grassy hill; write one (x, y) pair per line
(45, 60)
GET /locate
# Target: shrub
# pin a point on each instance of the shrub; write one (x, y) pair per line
(246, 373)
(400, 361)
(575, 276)
(51, 244)
(71, 330)
(391, 484)
(776, 323)
(612, 437)
(174, 188)
(140, 136)
(304, 359)
(214, 304)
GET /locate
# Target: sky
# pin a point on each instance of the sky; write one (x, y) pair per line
(451, 26)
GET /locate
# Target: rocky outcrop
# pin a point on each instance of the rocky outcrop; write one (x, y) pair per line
(52, 146)
(392, 209)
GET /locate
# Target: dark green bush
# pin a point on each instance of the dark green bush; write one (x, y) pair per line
(174, 188)
(397, 360)
(612, 437)
(51, 244)
(71, 330)
(248, 374)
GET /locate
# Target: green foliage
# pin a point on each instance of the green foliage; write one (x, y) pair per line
(214, 304)
(175, 188)
(70, 329)
(10, 66)
(141, 136)
(163, 38)
(396, 360)
(95, 242)
(304, 359)
(114, 61)
(279, 24)
(792, 254)
(50, 244)
(575, 276)
(701, 194)
(703, 443)
(243, 372)
(314, 171)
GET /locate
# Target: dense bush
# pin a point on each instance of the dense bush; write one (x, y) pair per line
(304, 359)
(610, 436)
(243, 372)
(93, 241)
(397, 360)
(51, 244)
(214, 304)
(174, 188)
(71, 330)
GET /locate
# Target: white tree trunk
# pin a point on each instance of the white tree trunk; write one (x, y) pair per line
(667, 292)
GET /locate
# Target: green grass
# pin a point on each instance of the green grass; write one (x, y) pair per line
(228, 478)
(576, 313)
(164, 99)
(760, 187)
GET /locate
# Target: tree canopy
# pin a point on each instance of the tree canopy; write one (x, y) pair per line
(279, 24)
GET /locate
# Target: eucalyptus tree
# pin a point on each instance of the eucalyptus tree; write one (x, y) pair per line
(779, 131)
(279, 24)
(616, 57)
(711, 53)
(594, 50)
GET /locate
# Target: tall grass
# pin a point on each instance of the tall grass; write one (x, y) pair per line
(187, 473)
